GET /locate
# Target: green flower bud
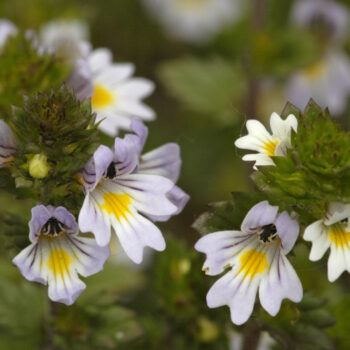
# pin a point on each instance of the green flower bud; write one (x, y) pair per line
(38, 166)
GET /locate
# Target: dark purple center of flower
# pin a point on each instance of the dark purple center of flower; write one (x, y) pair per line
(345, 221)
(268, 233)
(52, 227)
(111, 171)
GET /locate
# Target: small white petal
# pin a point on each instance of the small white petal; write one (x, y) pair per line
(279, 283)
(317, 234)
(337, 263)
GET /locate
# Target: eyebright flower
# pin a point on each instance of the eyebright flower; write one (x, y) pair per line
(7, 144)
(332, 231)
(119, 195)
(67, 39)
(164, 161)
(194, 20)
(257, 255)
(329, 16)
(326, 81)
(57, 254)
(267, 145)
(7, 28)
(116, 96)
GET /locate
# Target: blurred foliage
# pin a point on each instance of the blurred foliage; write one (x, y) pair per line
(300, 326)
(24, 71)
(310, 176)
(203, 95)
(61, 128)
(212, 87)
(171, 307)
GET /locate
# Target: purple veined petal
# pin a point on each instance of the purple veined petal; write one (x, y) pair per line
(164, 161)
(221, 249)
(29, 265)
(125, 155)
(135, 233)
(145, 183)
(235, 292)
(102, 158)
(336, 212)
(260, 215)
(141, 132)
(90, 257)
(288, 231)
(40, 216)
(318, 235)
(66, 218)
(152, 200)
(91, 219)
(56, 261)
(279, 283)
(179, 198)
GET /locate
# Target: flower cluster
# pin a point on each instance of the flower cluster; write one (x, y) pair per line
(256, 254)
(121, 188)
(116, 97)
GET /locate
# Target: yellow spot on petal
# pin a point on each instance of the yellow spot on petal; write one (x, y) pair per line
(59, 262)
(339, 236)
(315, 70)
(270, 147)
(116, 204)
(252, 262)
(101, 97)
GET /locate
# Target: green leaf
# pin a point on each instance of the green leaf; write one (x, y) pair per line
(212, 87)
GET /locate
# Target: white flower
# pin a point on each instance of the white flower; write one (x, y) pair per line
(194, 20)
(67, 39)
(116, 96)
(332, 231)
(122, 196)
(57, 254)
(267, 145)
(327, 82)
(7, 29)
(257, 255)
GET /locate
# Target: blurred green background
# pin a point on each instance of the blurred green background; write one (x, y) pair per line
(204, 93)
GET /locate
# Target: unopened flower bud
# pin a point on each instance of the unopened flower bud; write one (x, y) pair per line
(38, 166)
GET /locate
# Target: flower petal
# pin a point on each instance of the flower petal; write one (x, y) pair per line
(135, 233)
(317, 234)
(336, 212)
(141, 132)
(288, 231)
(221, 248)
(260, 215)
(40, 215)
(99, 59)
(235, 292)
(280, 128)
(279, 283)
(136, 88)
(91, 219)
(164, 161)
